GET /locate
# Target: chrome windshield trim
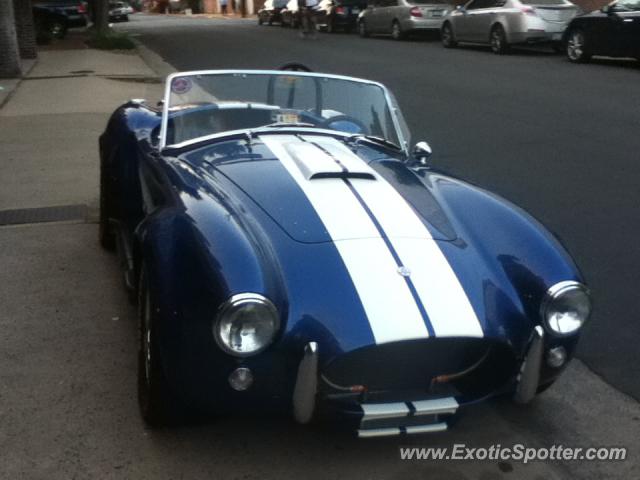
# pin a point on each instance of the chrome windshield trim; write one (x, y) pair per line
(167, 95)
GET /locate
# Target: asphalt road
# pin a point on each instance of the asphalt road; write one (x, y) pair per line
(68, 406)
(558, 139)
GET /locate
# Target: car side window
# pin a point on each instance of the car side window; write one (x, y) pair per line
(473, 5)
(480, 4)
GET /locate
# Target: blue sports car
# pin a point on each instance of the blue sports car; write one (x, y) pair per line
(290, 251)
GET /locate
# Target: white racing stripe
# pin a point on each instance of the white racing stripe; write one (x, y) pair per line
(386, 298)
(437, 285)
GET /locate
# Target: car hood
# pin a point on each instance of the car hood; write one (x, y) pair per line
(360, 249)
(318, 190)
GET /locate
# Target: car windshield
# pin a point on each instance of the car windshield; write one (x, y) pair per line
(201, 104)
(627, 5)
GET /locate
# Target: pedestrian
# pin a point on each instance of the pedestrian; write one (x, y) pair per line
(308, 18)
(223, 6)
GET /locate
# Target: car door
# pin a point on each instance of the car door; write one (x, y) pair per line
(386, 14)
(624, 32)
(461, 20)
(480, 19)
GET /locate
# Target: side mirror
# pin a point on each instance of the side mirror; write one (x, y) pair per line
(421, 152)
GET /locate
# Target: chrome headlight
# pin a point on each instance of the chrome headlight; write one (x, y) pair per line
(566, 307)
(246, 324)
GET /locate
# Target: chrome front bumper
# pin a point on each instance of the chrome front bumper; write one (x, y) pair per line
(410, 417)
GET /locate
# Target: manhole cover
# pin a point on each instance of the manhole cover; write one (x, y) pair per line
(62, 213)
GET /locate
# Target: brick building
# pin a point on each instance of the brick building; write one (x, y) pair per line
(17, 36)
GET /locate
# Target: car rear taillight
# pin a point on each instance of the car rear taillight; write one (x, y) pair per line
(415, 12)
(82, 8)
(340, 10)
(528, 10)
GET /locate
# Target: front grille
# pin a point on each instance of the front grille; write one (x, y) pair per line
(412, 366)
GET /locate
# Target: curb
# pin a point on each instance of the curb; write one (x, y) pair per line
(154, 61)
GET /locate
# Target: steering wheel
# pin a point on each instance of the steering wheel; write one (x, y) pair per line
(343, 123)
(295, 67)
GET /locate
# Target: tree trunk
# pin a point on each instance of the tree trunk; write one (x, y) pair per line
(25, 28)
(9, 53)
(101, 15)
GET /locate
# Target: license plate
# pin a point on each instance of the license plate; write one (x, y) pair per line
(556, 37)
(436, 13)
(355, 10)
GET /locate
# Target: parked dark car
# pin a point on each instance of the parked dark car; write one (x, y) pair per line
(270, 12)
(613, 31)
(53, 18)
(118, 12)
(333, 15)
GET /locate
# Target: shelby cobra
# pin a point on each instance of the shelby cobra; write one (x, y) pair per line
(290, 252)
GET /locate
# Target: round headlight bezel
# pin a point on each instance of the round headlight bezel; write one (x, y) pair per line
(555, 294)
(243, 300)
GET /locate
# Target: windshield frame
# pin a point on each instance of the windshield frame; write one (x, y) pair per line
(393, 109)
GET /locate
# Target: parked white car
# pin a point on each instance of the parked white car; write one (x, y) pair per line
(400, 18)
(501, 23)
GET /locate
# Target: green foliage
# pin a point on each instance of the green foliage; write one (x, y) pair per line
(110, 40)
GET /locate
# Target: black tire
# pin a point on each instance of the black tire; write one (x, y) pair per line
(362, 29)
(260, 21)
(577, 46)
(57, 29)
(396, 31)
(543, 388)
(105, 232)
(498, 40)
(330, 28)
(158, 406)
(447, 36)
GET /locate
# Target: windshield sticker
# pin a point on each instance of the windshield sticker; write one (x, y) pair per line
(181, 85)
(287, 117)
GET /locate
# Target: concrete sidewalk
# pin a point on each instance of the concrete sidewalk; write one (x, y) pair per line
(50, 124)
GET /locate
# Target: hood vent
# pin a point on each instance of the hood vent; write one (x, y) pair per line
(316, 163)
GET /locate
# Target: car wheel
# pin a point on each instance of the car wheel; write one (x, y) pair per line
(330, 27)
(57, 29)
(577, 47)
(498, 40)
(448, 40)
(157, 405)
(396, 31)
(107, 238)
(260, 21)
(362, 29)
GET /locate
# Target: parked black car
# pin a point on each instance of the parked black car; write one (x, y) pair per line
(53, 18)
(612, 31)
(333, 15)
(270, 12)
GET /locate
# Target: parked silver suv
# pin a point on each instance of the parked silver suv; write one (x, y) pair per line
(402, 17)
(501, 23)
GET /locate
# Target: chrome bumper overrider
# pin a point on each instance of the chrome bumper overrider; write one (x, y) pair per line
(529, 376)
(304, 393)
